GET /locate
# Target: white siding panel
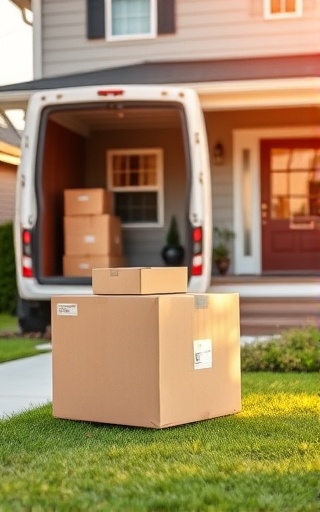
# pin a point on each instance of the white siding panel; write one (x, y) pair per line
(65, 20)
(200, 38)
(193, 31)
(206, 29)
(7, 192)
(54, 6)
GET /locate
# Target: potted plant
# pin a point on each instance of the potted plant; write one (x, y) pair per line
(173, 252)
(221, 248)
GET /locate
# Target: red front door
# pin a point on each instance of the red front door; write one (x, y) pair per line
(290, 205)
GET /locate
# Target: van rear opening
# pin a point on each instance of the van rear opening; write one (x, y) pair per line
(138, 153)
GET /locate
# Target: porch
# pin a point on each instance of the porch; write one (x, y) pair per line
(270, 304)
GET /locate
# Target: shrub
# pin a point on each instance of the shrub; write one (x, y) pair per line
(297, 350)
(173, 235)
(8, 287)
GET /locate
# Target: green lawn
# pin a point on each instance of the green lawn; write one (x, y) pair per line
(17, 348)
(8, 323)
(263, 459)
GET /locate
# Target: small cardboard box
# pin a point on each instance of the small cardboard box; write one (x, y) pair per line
(146, 360)
(87, 201)
(147, 280)
(81, 266)
(92, 235)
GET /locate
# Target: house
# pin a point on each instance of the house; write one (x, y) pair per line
(9, 159)
(256, 67)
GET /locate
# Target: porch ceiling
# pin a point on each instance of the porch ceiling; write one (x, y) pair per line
(291, 92)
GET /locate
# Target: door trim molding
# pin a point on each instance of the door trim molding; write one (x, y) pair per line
(250, 140)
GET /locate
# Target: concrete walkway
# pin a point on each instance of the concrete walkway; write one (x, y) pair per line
(25, 383)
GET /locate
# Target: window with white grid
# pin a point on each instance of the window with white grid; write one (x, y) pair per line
(131, 19)
(135, 176)
(274, 9)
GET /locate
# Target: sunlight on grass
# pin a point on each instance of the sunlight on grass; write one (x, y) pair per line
(280, 404)
(263, 459)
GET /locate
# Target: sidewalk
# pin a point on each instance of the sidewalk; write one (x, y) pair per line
(25, 383)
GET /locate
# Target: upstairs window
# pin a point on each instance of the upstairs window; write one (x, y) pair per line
(130, 19)
(117, 20)
(282, 8)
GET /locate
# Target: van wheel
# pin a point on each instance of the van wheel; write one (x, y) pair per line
(33, 316)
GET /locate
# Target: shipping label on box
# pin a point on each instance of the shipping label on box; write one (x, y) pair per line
(64, 309)
(202, 351)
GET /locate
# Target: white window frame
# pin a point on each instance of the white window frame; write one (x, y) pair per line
(282, 15)
(153, 24)
(158, 188)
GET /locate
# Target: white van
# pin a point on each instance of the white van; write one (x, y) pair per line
(81, 138)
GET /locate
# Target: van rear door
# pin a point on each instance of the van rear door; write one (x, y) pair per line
(76, 139)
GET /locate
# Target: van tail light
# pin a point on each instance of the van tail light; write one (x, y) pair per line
(110, 92)
(197, 256)
(26, 253)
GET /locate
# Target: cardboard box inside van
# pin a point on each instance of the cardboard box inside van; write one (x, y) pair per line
(92, 235)
(87, 201)
(83, 265)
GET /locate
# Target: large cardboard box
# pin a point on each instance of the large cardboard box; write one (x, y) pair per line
(83, 265)
(87, 201)
(147, 280)
(92, 235)
(146, 360)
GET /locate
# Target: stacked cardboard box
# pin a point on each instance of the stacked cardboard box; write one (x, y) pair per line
(92, 235)
(143, 352)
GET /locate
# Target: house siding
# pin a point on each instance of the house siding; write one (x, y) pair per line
(217, 30)
(7, 192)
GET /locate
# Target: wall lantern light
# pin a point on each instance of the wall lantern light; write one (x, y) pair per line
(218, 154)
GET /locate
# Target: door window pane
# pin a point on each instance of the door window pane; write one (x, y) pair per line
(302, 159)
(294, 185)
(298, 183)
(279, 184)
(280, 159)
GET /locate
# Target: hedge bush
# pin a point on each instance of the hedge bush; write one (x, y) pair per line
(297, 350)
(8, 287)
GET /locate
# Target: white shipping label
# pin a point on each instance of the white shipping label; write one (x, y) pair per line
(89, 239)
(67, 309)
(83, 266)
(83, 199)
(202, 353)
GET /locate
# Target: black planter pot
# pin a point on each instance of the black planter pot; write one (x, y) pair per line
(173, 256)
(222, 265)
